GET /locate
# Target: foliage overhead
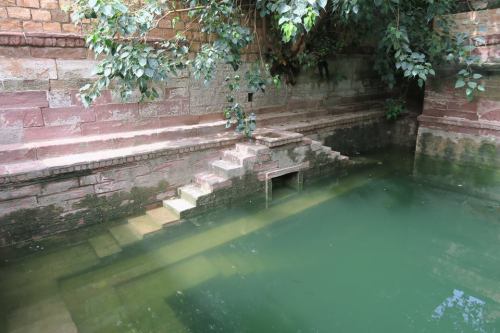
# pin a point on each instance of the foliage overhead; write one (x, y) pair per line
(408, 37)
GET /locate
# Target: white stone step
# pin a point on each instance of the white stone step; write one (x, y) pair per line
(162, 216)
(334, 155)
(211, 182)
(180, 207)
(144, 225)
(242, 158)
(227, 169)
(250, 148)
(124, 234)
(192, 193)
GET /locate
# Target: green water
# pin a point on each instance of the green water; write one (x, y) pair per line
(377, 251)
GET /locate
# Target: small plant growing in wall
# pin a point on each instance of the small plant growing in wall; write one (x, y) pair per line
(464, 55)
(394, 108)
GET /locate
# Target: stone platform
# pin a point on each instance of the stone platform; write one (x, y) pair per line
(51, 186)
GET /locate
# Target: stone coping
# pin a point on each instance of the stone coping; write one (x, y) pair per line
(42, 168)
(25, 171)
(459, 122)
(275, 137)
(47, 39)
(326, 122)
(283, 171)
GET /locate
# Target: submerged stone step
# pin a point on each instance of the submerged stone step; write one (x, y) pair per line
(179, 207)
(124, 234)
(211, 182)
(162, 216)
(192, 193)
(227, 169)
(48, 316)
(104, 245)
(144, 225)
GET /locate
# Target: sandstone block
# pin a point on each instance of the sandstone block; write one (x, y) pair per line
(52, 132)
(51, 26)
(59, 98)
(49, 4)
(10, 206)
(40, 15)
(129, 111)
(20, 192)
(32, 26)
(28, 3)
(67, 115)
(23, 99)
(19, 118)
(58, 187)
(60, 198)
(10, 24)
(7, 3)
(59, 15)
(75, 69)
(19, 13)
(27, 69)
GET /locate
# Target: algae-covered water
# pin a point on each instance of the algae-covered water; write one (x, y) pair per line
(377, 251)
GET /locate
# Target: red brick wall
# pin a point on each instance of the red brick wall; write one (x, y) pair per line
(452, 127)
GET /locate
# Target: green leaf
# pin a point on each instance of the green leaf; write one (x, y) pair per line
(481, 88)
(477, 76)
(108, 10)
(460, 83)
(143, 61)
(472, 84)
(139, 72)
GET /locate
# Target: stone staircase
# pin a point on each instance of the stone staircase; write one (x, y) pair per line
(234, 163)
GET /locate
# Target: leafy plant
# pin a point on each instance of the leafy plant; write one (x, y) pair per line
(409, 39)
(464, 54)
(394, 108)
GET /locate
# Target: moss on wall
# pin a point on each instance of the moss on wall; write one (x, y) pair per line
(31, 224)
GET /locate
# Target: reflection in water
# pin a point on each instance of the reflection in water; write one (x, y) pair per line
(463, 311)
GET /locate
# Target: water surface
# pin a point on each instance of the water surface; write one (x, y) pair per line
(377, 251)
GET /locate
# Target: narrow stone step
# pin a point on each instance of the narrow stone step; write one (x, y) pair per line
(211, 182)
(144, 225)
(104, 245)
(124, 234)
(179, 207)
(326, 149)
(162, 216)
(254, 149)
(192, 193)
(227, 169)
(242, 158)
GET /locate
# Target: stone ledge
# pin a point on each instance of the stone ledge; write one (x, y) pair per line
(283, 171)
(21, 172)
(45, 39)
(41, 39)
(458, 122)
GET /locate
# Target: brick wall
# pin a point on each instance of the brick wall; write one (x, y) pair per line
(56, 155)
(459, 141)
(446, 108)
